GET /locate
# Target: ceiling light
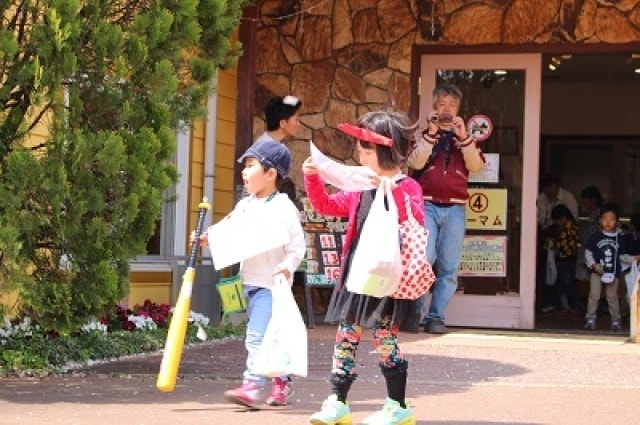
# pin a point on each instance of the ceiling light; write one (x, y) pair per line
(637, 70)
(566, 56)
(555, 60)
(500, 72)
(552, 67)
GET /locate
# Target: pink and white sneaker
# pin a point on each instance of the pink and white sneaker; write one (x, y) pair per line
(249, 395)
(281, 390)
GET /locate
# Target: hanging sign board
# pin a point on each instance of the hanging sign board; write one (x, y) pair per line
(487, 209)
(484, 256)
(324, 238)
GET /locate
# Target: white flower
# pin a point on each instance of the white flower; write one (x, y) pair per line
(141, 322)
(94, 325)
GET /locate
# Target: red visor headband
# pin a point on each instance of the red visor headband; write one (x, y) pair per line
(366, 135)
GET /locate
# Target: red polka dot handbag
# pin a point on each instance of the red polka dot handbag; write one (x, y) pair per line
(417, 274)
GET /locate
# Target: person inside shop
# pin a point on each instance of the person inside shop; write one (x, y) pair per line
(607, 258)
(565, 244)
(442, 158)
(551, 195)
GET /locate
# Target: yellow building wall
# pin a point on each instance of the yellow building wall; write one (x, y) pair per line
(155, 286)
(225, 143)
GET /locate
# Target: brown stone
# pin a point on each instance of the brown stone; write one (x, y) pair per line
(585, 26)
(269, 57)
(396, 19)
(399, 91)
(400, 53)
(358, 5)
(259, 127)
(342, 35)
(313, 121)
(545, 37)
(305, 133)
(366, 28)
(273, 11)
(315, 7)
(525, 19)
(290, 51)
(451, 6)
(377, 95)
(627, 5)
(289, 26)
(314, 38)
(474, 24)
(634, 17)
(613, 27)
(348, 86)
(339, 111)
(363, 109)
(362, 59)
(299, 149)
(312, 81)
(267, 86)
(379, 77)
(569, 13)
(334, 143)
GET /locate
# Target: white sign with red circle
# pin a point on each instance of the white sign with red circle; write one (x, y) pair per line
(480, 127)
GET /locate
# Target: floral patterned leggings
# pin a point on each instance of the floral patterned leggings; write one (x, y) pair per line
(385, 342)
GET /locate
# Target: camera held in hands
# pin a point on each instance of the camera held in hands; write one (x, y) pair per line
(445, 118)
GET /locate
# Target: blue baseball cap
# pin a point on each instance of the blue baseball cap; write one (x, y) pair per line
(270, 154)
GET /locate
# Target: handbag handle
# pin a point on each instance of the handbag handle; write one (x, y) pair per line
(407, 206)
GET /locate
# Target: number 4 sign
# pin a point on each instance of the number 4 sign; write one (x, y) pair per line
(487, 209)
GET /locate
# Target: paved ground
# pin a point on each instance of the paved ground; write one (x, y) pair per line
(463, 378)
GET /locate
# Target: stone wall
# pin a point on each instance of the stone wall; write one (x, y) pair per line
(346, 57)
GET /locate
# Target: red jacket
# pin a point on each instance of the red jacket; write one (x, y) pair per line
(446, 182)
(345, 204)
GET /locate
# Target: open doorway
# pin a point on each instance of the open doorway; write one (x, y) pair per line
(590, 136)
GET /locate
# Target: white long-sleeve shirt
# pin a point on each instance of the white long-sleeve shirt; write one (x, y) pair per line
(277, 212)
(545, 205)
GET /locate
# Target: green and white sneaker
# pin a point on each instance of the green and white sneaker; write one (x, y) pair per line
(391, 414)
(333, 412)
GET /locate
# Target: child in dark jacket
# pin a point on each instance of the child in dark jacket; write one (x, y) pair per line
(605, 255)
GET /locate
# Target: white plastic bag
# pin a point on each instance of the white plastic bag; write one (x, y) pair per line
(376, 266)
(284, 346)
(631, 279)
(552, 272)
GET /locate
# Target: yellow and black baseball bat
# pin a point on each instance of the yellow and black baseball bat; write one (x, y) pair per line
(178, 328)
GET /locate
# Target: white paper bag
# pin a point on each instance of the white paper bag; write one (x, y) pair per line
(631, 279)
(376, 266)
(284, 346)
(242, 235)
